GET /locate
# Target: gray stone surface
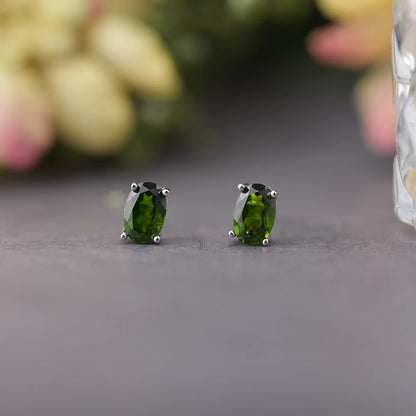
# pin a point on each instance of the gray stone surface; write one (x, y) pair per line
(322, 322)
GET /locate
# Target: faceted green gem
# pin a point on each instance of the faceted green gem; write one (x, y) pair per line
(254, 214)
(144, 213)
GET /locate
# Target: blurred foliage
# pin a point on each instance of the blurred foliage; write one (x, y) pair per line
(209, 40)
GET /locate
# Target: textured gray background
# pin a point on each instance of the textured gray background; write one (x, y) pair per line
(322, 322)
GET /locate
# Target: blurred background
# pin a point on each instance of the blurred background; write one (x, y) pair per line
(200, 95)
(123, 82)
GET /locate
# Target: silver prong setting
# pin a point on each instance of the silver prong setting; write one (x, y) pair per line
(165, 192)
(265, 242)
(156, 239)
(123, 236)
(134, 187)
(273, 194)
(241, 187)
(231, 234)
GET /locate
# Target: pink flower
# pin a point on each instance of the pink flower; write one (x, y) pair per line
(97, 7)
(25, 122)
(361, 42)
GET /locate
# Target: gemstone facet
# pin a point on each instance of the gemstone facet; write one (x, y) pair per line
(144, 213)
(254, 214)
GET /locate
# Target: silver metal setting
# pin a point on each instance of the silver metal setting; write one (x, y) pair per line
(241, 187)
(265, 242)
(273, 194)
(123, 236)
(156, 239)
(134, 187)
(165, 192)
(231, 234)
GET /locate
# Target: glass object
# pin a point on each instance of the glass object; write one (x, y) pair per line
(404, 82)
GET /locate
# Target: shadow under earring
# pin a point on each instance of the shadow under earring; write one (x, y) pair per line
(254, 214)
(144, 213)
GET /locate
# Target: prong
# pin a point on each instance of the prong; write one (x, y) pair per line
(123, 236)
(165, 191)
(241, 187)
(134, 187)
(273, 194)
(231, 234)
(265, 242)
(156, 239)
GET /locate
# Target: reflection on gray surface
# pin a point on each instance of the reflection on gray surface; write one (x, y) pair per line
(322, 322)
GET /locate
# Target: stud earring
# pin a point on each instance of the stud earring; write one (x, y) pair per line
(254, 214)
(144, 213)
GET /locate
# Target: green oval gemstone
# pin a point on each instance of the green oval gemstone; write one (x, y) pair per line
(144, 213)
(254, 214)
